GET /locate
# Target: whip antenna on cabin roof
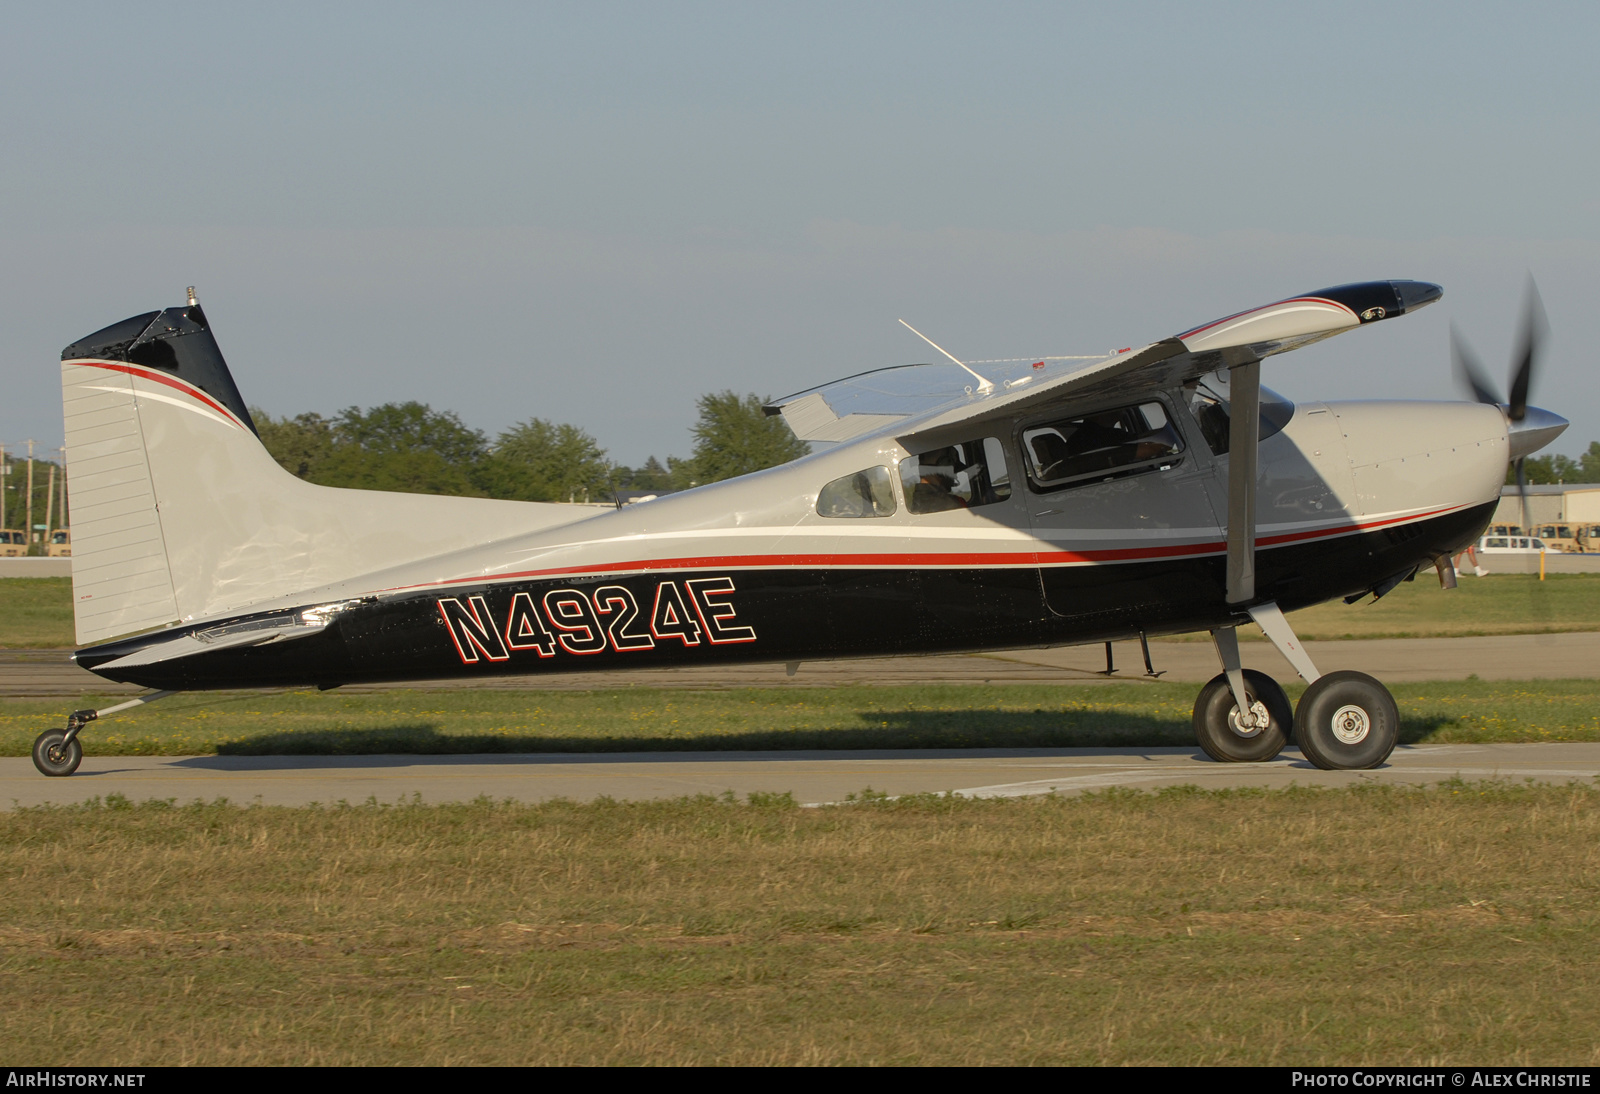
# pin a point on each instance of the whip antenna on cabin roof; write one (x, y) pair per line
(984, 386)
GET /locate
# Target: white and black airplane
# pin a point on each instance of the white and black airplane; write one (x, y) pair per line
(948, 507)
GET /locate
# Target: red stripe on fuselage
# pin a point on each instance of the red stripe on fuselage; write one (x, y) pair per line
(928, 560)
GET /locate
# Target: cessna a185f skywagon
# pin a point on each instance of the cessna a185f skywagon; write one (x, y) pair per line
(956, 506)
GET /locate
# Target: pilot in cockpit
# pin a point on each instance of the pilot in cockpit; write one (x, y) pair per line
(934, 491)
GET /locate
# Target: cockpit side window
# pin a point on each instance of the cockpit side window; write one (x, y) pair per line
(958, 476)
(1106, 444)
(868, 493)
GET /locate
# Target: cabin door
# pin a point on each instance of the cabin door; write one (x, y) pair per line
(1121, 502)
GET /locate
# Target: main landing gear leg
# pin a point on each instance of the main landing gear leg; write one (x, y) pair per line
(1241, 716)
(1345, 720)
(57, 752)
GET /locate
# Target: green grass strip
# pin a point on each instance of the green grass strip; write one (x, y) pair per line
(664, 720)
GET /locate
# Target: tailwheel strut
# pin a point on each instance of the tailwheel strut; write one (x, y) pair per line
(58, 752)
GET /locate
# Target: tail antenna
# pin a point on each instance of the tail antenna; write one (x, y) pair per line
(192, 300)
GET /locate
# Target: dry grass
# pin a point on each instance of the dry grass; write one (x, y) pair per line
(1375, 925)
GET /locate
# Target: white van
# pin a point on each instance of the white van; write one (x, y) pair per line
(1512, 545)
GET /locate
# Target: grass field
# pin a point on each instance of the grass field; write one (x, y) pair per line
(1459, 925)
(649, 720)
(1498, 604)
(36, 613)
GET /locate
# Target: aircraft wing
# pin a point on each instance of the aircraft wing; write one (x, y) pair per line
(916, 399)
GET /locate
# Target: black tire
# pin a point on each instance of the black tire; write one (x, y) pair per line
(1215, 725)
(1347, 721)
(53, 758)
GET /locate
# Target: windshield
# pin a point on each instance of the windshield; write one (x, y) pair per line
(1207, 399)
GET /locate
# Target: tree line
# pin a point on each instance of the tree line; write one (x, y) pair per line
(1556, 468)
(413, 448)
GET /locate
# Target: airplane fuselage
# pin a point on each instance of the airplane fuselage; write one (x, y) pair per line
(1351, 496)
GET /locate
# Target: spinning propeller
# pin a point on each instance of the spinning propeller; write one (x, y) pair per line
(1530, 428)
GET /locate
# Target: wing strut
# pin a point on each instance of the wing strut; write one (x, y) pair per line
(1244, 442)
(1244, 434)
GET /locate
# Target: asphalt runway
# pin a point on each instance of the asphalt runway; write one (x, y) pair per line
(812, 777)
(49, 674)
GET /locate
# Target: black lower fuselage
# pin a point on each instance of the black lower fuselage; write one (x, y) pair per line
(660, 618)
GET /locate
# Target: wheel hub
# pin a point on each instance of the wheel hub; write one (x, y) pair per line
(1252, 724)
(1351, 725)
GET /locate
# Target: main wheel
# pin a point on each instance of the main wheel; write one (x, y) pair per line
(1216, 719)
(54, 755)
(1347, 721)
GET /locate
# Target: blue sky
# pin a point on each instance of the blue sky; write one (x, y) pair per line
(594, 213)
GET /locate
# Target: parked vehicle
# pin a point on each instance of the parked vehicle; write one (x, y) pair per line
(60, 545)
(13, 544)
(1588, 536)
(1559, 537)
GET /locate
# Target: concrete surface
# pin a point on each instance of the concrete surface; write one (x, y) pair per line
(35, 567)
(1554, 563)
(813, 777)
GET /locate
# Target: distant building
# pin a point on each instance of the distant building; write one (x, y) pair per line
(1575, 503)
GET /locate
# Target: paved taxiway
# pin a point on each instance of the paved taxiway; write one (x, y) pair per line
(810, 776)
(830, 776)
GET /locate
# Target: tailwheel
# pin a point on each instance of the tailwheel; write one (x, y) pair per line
(1227, 738)
(55, 754)
(1347, 721)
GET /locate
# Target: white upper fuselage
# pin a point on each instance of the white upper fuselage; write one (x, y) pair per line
(1336, 469)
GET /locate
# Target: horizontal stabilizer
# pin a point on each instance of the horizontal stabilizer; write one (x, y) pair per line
(812, 419)
(218, 638)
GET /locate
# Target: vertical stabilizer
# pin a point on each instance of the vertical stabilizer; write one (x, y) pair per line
(180, 513)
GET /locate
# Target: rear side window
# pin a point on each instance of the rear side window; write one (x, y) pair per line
(868, 493)
(1106, 444)
(958, 476)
